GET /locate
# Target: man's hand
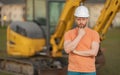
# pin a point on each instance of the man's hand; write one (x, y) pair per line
(75, 51)
(92, 52)
(70, 45)
(81, 31)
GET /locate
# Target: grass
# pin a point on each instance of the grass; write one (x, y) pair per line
(112, 53)
(3, 73)
(111, 44)
(3, 46)
(2, 40)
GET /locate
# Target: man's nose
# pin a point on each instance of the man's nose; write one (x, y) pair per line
(80, 21)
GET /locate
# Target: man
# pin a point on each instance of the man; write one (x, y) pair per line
(82, 45)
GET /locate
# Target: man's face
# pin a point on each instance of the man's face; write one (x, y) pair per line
(81, 21)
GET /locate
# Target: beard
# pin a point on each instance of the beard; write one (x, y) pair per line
(81, 25)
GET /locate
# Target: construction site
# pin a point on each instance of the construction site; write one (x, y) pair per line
(32, 35)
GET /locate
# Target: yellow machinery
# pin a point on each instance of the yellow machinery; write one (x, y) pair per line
(25, 39)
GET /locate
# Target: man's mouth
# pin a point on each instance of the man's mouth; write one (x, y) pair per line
(81, 26)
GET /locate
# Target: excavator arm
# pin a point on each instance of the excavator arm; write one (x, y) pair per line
(108, 13)
(64, 24)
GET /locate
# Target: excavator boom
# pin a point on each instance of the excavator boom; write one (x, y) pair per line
(65, 23)
(106, 17)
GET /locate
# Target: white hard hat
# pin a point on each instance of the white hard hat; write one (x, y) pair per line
(81, 11)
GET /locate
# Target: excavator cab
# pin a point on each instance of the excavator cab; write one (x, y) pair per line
(24, 39)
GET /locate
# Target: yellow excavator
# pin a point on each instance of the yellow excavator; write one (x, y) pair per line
(32, 54)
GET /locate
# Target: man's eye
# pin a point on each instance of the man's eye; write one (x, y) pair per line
(83, 19)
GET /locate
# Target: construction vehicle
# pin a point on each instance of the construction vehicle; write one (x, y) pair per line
(32, 54)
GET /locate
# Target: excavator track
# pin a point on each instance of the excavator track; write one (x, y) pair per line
(33, 66)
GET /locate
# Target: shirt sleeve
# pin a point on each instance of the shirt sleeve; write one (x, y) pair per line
(96, 37)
